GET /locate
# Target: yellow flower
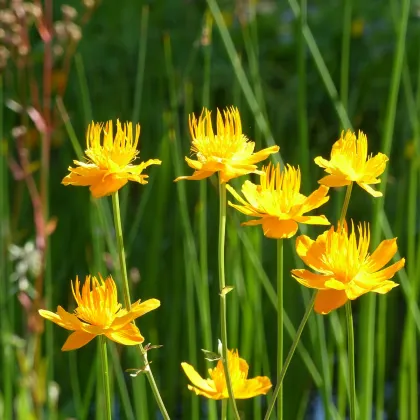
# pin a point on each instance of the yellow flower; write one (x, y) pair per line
(109, 165)
(351, 163)
(216, 388)
(228, 152)
(345, 269)
(278, 203)
(98, 312)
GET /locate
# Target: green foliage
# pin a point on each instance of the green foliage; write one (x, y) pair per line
(148, 62)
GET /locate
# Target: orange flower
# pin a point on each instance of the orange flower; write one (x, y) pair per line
(109, 166)
(351, 163)
(278, 203)
(228, 152)
(216, 388)
(98, 312)
(345, 269)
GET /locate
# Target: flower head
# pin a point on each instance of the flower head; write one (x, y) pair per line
(228, 152)
(216, 388)
(350, 163)
(277, 202)
(109, 163)
(344, 268)
(98, 312)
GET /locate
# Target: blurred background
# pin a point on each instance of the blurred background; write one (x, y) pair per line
(299, 72)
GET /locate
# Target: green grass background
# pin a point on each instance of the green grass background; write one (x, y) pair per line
(299, 72)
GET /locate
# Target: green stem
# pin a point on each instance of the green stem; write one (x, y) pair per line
(222, 294)
(224, 410)
(280, 324)
(105, 375)
(350, 343)
(290, 355)
(345, 204)
(127, 300)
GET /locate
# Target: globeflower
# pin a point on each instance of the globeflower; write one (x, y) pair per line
(109, 164)
(216, 388)
(228, 152)
(350, 163)
(343, 267)
(98, 312)
(277, 202)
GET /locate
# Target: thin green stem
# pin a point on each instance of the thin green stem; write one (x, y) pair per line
(224, 410)
(345, 204)
(345, 53)
(127, 300)
(280, 324)
(350, 344)
(105, 376)
(222, 293)
(302, 119)
(290, 355)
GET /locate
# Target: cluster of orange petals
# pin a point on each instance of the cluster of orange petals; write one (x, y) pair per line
(350, 163)
(227, 152)
(99, 313)
(109, 164)
(215, 388)
(277, 202)
(343, 267)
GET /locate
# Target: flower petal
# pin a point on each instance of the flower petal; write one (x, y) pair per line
(332, 283)
(311, 251)
(137, 309)
(129, 335)
(313, 220)
(334, 181)
(388, 272)
(210, 395)
(382, 255)
(328, 300)
(315, 200)
(309, 279)
(370, 190)
(278, 229)
(195, 164)
(196, 176)
(259, 385)
(385, 287)
(76, 340)
(107, 186)
(51, 316)
(196, 379)
(262, 154)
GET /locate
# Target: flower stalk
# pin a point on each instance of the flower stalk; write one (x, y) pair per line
(350, 343)
(105, 373)
(280, 325)
(222, 294)
(349, 322)
(290, 356)
(126, 291)
(346, 203)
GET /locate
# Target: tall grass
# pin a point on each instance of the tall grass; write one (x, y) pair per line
(282, 69)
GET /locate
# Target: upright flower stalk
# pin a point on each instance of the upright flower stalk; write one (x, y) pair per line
(351, 163)
(222, 294)
(280, 326)
(126, 289)
(98, 313)
(229, 153)
(279, 207)
(109, 165)
(105, 373)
